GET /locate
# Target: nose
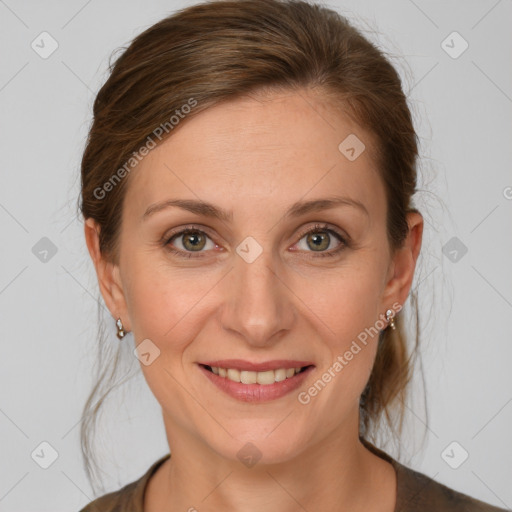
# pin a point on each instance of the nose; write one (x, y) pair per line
(258, 304)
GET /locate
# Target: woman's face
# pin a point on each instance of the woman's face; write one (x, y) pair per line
(249, 289)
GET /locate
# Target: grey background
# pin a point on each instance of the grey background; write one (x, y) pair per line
(462, 108)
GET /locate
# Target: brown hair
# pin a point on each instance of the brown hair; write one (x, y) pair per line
(217, 51)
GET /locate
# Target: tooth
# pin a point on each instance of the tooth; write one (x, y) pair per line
(280, 374)
(266, 377)
(234, 375)
(248, 377)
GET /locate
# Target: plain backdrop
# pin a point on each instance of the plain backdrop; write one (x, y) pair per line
(459, 87)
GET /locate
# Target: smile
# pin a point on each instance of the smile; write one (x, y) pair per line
(250, 382)
(248, 377)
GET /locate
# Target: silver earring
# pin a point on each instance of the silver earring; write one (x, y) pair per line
(120, 329)
(390, 318)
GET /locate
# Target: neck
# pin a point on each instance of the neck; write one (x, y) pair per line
(338, 474)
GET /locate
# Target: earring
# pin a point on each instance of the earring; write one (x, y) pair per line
(120, 330)
(390, 318)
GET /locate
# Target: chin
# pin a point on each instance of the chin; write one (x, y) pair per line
(260, 442)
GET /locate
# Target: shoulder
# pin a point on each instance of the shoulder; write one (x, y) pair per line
(129, 498)
(417, 492)
(116, 501)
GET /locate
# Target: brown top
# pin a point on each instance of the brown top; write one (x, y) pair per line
(416, 492)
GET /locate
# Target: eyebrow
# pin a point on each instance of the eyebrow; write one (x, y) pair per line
(296, 210)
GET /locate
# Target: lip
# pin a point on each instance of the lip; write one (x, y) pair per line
(256, 392)
(242, 365)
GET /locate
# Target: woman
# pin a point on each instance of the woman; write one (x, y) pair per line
(247, 193)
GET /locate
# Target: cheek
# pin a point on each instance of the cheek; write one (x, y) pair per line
(160, 297)
(348, 303)
(172, 308)
(167, 308)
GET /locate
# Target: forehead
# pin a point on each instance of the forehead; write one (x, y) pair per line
(272, 149)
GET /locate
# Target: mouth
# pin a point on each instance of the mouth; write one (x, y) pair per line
(265, 378)
(252, 382)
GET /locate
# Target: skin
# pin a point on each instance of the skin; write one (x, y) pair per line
(255, 157)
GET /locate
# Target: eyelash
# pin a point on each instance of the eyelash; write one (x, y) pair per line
(317, 227)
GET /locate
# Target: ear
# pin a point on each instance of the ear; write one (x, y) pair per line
(108, 275)
(403, 263)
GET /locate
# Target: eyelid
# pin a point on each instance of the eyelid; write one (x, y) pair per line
(324, 226)
(182, 230)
